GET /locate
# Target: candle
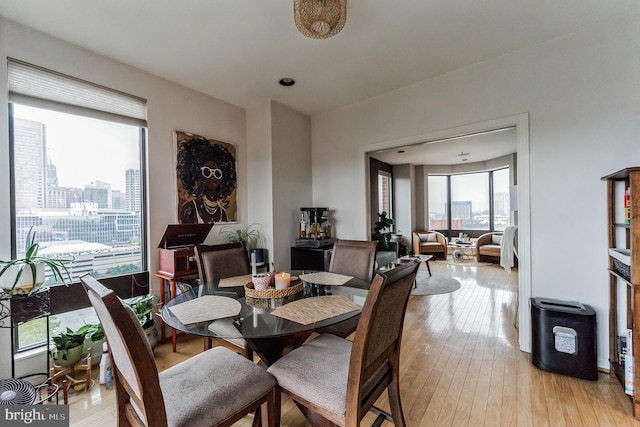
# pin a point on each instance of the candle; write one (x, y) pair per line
(282, 280)
(253, 263)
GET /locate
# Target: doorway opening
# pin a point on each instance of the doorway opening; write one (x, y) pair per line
(409, 178)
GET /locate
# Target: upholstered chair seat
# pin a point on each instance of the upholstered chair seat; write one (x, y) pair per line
(214, 388)
(216, 385)
(326, 384)
(339, 380)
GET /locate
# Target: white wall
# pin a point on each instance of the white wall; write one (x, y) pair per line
(170, 107)
(291, 165)
(581, 95)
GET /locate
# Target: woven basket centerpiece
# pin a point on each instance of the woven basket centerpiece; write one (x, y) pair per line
(295, 287)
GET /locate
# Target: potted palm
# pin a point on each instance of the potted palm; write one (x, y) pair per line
(26, 275)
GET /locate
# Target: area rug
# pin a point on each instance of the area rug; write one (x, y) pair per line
(466, 263)
(434, 284)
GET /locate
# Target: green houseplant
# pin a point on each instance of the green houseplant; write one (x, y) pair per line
(143, 307)
(382, 231)
(248, 236)
(67, 348)
(26, 274)
(93, 339)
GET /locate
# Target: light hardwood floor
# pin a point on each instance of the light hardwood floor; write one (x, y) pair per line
(461, 366)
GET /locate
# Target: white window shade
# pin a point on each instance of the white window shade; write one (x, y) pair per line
(40, 87)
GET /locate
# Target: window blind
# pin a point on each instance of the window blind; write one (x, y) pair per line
(39, 87)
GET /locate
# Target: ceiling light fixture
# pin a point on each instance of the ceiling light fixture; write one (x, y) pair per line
(462, 154)
(287, 81)
(319, 19)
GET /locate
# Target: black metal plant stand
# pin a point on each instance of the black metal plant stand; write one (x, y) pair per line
(18, 309)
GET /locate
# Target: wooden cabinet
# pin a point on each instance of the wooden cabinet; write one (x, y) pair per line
(624, 276)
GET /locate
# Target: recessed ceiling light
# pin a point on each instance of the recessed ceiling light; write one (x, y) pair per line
(462, 154)
(287, 81)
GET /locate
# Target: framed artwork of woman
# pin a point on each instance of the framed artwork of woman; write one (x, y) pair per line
(207, 184)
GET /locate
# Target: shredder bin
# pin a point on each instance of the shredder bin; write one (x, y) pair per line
(563, 335)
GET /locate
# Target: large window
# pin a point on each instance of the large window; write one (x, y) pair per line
(77, 184)
(501, 202)
(472, 201)
(385, 193)
(437, 189)
(77, 177)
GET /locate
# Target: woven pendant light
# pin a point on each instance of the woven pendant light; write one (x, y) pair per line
(320, 19)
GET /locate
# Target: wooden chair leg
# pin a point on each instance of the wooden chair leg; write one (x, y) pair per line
(277, 409)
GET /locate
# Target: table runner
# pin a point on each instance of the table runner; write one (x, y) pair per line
(316, 309)
(326, 278)
(205, 308)
(230, 282)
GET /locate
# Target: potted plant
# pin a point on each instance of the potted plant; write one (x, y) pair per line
(26, 275)
(382, 231)
(94, 337)
(248, 236)
(67, 348)
(143, 308)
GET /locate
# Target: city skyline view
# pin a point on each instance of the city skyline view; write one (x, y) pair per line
(78, 186)
(73, 144)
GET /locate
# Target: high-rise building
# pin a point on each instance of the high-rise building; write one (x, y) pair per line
(461, 210)
(29, 158)
(117, 199)
(98, 192)
(132, 190)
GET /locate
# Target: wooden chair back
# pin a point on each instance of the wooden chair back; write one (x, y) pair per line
(134, 368)
(355, 258)
(217, 262)
(375, 354)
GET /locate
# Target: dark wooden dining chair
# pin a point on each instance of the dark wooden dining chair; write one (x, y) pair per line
(355, 258)
(214, 388)
(217, 262)
(339, 380)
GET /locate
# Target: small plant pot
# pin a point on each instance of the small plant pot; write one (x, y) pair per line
(95, 347)
(25, 282)
(152, 334)
(261, 281)
(69, 357)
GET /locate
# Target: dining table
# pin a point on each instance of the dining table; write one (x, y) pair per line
(270, 326)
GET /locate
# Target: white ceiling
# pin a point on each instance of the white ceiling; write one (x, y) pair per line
(237, 50)
(464, 149)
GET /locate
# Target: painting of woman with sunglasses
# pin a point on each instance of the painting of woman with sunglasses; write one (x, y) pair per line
(206, 180)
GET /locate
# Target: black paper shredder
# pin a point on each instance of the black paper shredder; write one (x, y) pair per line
(563, 337)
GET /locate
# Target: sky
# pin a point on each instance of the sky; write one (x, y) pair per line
(84, 149)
